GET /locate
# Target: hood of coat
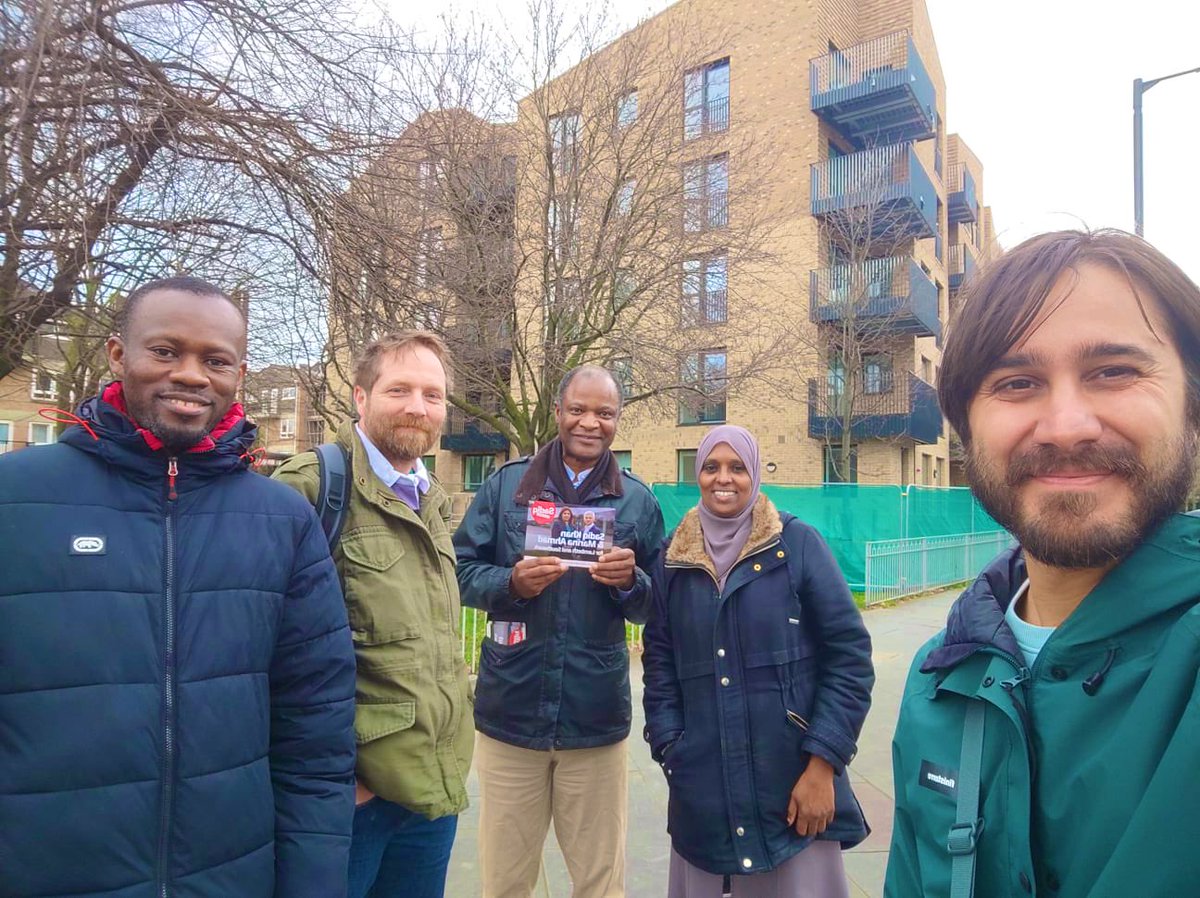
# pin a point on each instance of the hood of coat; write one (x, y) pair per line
(104, 427)
(687, 542)
(1158, 578)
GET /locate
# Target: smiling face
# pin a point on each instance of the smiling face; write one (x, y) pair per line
(1079, 437)
(403, 412)
(181, 360)
(725, 482)
(587, 419)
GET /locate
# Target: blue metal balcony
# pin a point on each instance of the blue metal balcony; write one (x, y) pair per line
(883, 296)
(884, 191)
(961, 202)
(464, 434)
(897, 412)
(961, 267)
(878, 91)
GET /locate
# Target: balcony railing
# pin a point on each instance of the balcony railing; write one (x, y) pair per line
(891, 296)
(467, 434)
(887, 189)
(879, 90)
(962, 266)
(961, 202)
(710, 117)
(900, 413)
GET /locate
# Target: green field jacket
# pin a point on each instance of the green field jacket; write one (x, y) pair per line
(413, 718)
(1091, 757)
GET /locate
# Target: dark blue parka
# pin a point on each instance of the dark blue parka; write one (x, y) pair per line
(176, 675)
(567, 684)
(743, 685)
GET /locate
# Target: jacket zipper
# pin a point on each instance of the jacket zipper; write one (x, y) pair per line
(168, 772)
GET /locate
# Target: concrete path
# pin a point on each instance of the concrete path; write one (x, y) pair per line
(896, 634)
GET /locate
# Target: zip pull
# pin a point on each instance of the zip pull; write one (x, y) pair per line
(172, 473)
(1013, 682)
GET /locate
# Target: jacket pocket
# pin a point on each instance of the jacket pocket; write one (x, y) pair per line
(374, 720)
(373, 547)
(509, 685)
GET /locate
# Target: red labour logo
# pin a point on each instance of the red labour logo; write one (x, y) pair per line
(542, 512)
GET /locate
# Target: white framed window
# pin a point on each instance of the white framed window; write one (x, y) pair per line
(288, 393)
(287, 428)
(44, 387)
(6, 437)
(41, 434)
(274, 406)
(564, 142)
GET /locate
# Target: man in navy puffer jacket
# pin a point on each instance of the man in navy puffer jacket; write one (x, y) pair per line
(176, 670)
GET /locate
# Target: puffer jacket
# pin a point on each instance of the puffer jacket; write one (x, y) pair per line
(176, 674)
(1088, 774)
(413, 717)
(567, 685)
(744, 684)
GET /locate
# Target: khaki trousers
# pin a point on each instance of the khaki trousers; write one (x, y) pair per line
(583, 790)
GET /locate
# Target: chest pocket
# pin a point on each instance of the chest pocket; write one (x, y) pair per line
(377, 601)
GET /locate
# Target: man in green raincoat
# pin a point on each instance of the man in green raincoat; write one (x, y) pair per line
(1049, 738)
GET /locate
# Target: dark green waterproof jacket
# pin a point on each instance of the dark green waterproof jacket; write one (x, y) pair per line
(567, 684)
(1091, 758)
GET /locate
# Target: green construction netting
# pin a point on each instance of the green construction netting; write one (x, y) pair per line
(850, 515)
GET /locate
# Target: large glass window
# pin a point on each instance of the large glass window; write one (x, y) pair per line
(833, 471)
(685, 465)
(707, 371)
(706, 194)
(706, 290)
(45, 388)
(624, 459)
(627, 108)
(6, 436)
(564, 143)
(41, 434)
(706, 99)
(877, 374)
(477, 469)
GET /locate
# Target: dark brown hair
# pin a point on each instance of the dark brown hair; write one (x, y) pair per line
(1002, 304)
(366, 369)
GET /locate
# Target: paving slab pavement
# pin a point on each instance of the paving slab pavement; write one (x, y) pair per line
(896, 634)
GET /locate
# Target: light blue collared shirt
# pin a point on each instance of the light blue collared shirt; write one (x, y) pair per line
(1030, 637)
(407, 486)
(576, 479)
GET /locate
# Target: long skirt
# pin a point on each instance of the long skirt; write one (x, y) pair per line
(816, 872)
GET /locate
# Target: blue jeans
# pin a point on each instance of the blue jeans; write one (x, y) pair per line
(398, 854)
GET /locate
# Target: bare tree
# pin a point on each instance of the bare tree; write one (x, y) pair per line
(598, 224)
(139, 133)
(872, 298)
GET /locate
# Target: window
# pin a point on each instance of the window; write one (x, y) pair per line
(624, 459)
(564, 143)
(430, 463)
(927, 372)
(287, 428)
(274, 395)
(833, 474)
(41, 434)
(44, 388)
(835, 383)
(705, 290)
(560, 228)
(428, 172)
(624, 284)
(877, 374)
(707, 372)
(622, 372)
(625, 196)
(429, 248)
(706, 194)
(6, 436)
(477, 469)
(706, 99)
(627, 109)
(685, 465)
(316, 431)
(288, 393)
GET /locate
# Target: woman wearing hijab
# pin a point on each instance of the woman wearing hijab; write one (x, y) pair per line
(757, 681)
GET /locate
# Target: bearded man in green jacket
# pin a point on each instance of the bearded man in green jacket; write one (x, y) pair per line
(1049, 737)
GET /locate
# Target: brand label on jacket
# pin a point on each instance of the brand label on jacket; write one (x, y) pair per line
(939, 779)
(88, 545)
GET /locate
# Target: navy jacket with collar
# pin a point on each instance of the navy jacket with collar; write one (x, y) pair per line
(742, 685)
(567, 685)
(176, 675)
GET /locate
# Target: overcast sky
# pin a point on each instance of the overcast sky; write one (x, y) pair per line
(1042, 91)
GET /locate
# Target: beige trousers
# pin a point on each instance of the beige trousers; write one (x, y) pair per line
(582, 790)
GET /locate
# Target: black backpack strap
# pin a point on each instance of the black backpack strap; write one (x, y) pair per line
(334, 466)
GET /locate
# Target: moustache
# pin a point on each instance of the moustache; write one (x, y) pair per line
(1048, 460)
(412, 422)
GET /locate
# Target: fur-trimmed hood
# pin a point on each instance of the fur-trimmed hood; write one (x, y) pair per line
(687, 543)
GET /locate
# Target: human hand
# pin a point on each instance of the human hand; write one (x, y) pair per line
(615, 568)
(811, 805)
(530, 576)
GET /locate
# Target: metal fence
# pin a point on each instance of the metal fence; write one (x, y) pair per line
(903, 567)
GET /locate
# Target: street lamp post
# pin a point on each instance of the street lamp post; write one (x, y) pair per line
(1139, 88)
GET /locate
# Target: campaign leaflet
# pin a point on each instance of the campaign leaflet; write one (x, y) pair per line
(576, 534)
